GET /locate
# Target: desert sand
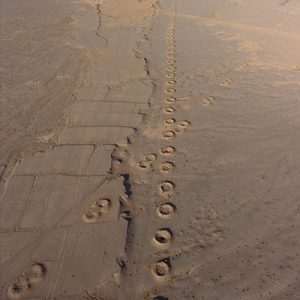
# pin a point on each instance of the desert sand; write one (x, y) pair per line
(150, 149)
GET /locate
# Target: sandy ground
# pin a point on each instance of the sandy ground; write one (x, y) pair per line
(150, 150)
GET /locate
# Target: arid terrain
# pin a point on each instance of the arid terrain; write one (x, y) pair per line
(150, 149)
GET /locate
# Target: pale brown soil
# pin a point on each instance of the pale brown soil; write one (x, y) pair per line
(150, 150)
